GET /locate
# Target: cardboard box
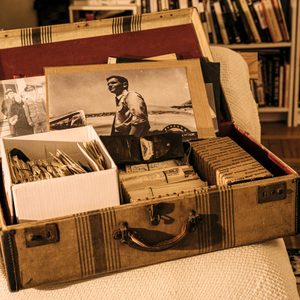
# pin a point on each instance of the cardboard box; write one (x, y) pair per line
(61, 196)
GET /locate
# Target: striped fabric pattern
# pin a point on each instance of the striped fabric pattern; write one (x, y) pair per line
(64, 32)
(98, 251)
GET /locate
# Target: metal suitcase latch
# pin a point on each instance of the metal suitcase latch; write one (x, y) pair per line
(41, 235)
(272, 192)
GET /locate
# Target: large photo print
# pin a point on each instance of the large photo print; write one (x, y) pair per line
(135, 98)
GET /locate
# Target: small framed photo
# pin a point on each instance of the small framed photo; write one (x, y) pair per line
(133, 98)
(23, 106)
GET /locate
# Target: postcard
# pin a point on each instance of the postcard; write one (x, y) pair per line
(133, 98)
(23, 106)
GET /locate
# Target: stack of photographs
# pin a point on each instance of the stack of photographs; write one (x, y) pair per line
(60, 164)
(148, 181)
(221, 161)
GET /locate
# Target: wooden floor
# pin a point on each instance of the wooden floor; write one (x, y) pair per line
(283, 141)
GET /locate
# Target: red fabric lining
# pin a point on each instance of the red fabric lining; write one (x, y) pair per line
(30, 60)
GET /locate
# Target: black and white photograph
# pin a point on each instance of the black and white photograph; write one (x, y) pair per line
(23, 106)
(294, 256)
(119, 101)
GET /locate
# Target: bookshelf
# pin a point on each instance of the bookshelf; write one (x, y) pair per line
(273, 113)
(289, 113)
(279, 38)
(286, 105)
(91, 12)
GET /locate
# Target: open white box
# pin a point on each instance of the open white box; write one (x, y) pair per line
(64, 195)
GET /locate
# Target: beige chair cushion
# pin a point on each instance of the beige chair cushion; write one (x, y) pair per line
(236, 87)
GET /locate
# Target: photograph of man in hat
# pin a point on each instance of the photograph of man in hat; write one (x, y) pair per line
(131, 115)
(35, 110)
(7, 102)
(17, 117)
(6, 105)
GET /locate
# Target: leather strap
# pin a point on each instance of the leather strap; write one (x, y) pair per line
(130, 237)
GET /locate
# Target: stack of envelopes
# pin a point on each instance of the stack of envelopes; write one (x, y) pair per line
(147, 181)
(222, 161)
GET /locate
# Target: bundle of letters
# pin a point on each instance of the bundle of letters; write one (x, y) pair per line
(148, 181)
(221, 161)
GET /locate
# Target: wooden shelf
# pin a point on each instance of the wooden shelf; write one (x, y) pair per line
(272, 109)
(273, 114)
(75, 9)
(257, 45)
(103, 7)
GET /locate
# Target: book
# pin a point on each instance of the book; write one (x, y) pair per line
(281, 85)
(230, 20)
(220, 20)
(259, 86)
(173, 4)
(159, 5)
(153, 6)
(262, 23)
(286, 8)
(271, 61)
(183, 3)
(276, 80)
(244, 26)
(286, 95)
(244, 6)
(217, 29)
(200, 6)
(212, 37)
(263, 31)
(281, 19)
(272, 21)
(165, 5)
(239, 30)
(251, 59)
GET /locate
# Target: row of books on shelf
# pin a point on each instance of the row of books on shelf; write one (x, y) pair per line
(225, 21)
(271, 87)
(103, 2)
(235, 21)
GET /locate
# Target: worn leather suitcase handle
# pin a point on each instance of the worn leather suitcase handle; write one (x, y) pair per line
(129, 236)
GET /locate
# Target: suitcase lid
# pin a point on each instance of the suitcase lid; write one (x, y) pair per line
(176, 31)
(93, 42)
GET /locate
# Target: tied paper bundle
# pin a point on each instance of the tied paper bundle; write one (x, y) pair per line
(61, 164)
(222, 161)
(148, 181)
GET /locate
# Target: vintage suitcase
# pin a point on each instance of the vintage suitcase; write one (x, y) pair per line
(105, 241)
